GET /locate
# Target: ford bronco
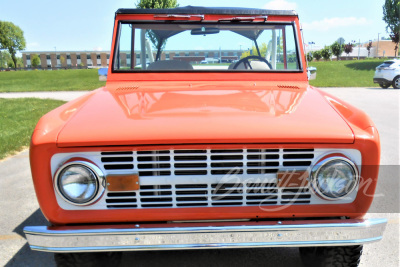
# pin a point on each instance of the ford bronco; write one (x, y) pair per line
(207, 135)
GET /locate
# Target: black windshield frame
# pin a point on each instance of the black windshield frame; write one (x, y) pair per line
(133, 22)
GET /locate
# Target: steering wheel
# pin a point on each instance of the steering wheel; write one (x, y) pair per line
(246, 62)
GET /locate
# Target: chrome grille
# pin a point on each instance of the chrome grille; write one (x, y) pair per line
(207, 162)
(219, 163)
(208, 195)
(203, 177)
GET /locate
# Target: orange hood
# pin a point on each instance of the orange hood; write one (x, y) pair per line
(197, 113)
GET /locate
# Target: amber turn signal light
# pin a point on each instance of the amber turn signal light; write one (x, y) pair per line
(120, 183)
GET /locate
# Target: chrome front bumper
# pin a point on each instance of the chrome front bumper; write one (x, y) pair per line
(205, 235)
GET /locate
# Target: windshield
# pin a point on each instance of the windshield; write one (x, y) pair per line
(206, 47)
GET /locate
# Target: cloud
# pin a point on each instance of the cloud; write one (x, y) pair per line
(97, 48)
(280, 5)
(331, 23)
(31, 46)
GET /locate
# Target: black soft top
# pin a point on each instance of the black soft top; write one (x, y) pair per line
(191, 10)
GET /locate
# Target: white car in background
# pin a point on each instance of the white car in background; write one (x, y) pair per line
(388, 74)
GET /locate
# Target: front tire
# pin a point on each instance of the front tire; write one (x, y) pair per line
(346, 256)
(92, 259)
(384, 85)
(396, 82)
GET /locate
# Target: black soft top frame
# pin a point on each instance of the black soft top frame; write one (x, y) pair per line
(188, 10)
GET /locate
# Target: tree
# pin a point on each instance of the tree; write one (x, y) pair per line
(317, 55)
(156, 4)
(395, 39)
(12, 39)
(309, 56)
(20, 62)
(369, 46)
(35, 61)
(62, 61)
(263, 50)
(326, 53)
(10, 62)
(348, 48)
(391, 15)
(337, 49)
(4, 59)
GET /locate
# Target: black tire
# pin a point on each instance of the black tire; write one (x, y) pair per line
(384, 85)
(92, 259)
(346, 256)
(396, 82)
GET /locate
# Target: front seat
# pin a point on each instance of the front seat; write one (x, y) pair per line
(170, 65)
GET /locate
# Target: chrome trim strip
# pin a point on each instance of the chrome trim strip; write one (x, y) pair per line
(177, 236)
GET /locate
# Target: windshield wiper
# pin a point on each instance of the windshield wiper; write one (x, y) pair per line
(178, 17)
(245, 19)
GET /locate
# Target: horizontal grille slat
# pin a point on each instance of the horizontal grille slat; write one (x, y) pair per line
(160, 167)
(187, 198)
(152, 187)
(227, 204)
(297, 160)
(261, 197)
(153, 152)
(193, 165)
(191, 172)
(190, 186)
(191, 193)
(117, 159)
(153, 158)
(156, 205)
(190, 165)
(189, 204)
(128, 194)
(121, 206)
(297, 163)
(116, 153)
(296, 150)
(122, 200)
(118, 166)
(151, 194)
(261, 171)
(188, 158)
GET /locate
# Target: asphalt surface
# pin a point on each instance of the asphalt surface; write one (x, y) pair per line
(20, 208)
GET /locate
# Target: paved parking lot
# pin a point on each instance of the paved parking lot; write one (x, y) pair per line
(20, 208)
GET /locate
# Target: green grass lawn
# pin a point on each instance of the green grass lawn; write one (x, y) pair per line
(49, 80)
(18, 118)
(345, 73)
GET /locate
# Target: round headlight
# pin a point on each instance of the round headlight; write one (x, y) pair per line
(78, 182)
(334, 178)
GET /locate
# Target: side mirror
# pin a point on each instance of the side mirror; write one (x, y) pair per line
(312, 73)
(103, 74)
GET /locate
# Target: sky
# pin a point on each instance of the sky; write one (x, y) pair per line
(87, 25)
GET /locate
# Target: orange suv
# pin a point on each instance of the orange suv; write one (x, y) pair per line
(174, 154)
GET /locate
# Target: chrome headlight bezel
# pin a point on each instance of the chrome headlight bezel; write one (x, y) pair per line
(317, 168)
(99, 182)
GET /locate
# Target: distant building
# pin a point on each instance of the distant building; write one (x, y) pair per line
(67, 59)
(358, 51)
(386, 48)
(97, 59)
